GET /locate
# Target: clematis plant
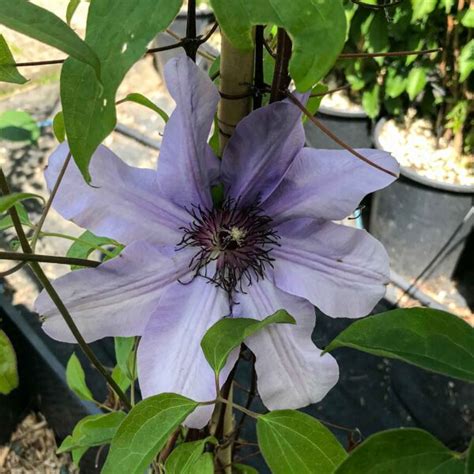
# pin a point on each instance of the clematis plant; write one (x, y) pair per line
(222, 251)
(269, 243)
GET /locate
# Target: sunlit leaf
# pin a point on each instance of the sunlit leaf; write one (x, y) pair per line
(7, 222)
(119, 32)
(404, 450)
(58, 127)
(36, 22)
(8, 365)
(429, 338)
(76, 378)
(466, 60)
(416, 82)
(228, 333)
(317, 28)
(145, 431)
(8, 72)
(295, 443)
(8, 201)
(146, 102)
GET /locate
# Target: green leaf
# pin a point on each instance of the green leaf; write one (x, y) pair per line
(6, 222)
(395, 83)
(76, 378)
(8, 73)
(204, 465)
(319, 23)
(18, 126)
(58, 127)
(466, 61)
(71, 9)
(228, 333)
(119, 31)
(447, 4)
(183, 458)
(77, 454)
(416, 82)
(44, 26)
(422, 8)
(8, 201)
(93, 430)
(467, 19)
(88, 243)
(8, 365)
(145, 431)
(142, 100)
(428, 338)
(244, 469)
(377, 38)
(314, 103)
(295, 443)
(122, 380)
(470, 458)
(404, 450)
(124, 354)
(371, 101)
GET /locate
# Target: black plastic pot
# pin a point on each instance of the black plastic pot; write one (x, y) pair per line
(43, 387)
(352, 127)
(416, 217)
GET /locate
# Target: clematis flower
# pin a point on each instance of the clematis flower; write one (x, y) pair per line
(271, 244)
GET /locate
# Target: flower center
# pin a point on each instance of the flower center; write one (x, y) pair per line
(238, 239)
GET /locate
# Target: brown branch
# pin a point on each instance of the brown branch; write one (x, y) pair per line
(334, 137)
(389, 54)
(281, 78)
(32, 257)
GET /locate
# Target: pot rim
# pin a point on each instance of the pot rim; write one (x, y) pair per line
(413, 175)
(349, 114)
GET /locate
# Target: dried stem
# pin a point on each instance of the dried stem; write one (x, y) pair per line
(191, 46)
(331, 135)
(281, 78)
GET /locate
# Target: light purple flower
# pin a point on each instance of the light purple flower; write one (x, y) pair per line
(272, 245)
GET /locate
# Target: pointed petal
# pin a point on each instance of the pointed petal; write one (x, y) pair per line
(290, 370)
(186, 162)
(170, 358)
(341, 270)
(114, 299)
(122, 202)
(328, 184)
(261, 150)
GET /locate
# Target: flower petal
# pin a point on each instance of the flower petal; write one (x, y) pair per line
(261, 150)
(341, 270)
(290, 370)
(328, 184)
(170, 358)
(114, 299)
(122, 202)
(186, 163)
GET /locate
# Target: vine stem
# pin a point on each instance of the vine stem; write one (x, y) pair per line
(334, 137)
(281, 77)
(32, 257)
(43, 279)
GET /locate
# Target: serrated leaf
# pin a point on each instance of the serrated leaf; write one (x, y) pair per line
(8, 365)
(428, 338)
(416, 82)
(466, 61)
(58, 127)
(467, 19)
(395, 83)
(18, 126)
(319, 23)
(93, 430)
(182, 460)
(8, 201)
(146, 102)
(295, 443)
(76, 378)
(145, 431)
(228, 333)
(404, 450)
(8, 72)
(42, 25)
(119, 31)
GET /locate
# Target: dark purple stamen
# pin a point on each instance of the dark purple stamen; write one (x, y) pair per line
(238, 239)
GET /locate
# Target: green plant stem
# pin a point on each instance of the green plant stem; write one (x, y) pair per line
(43, 279)
(31, 257)
(250, 413)
(47, 207)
